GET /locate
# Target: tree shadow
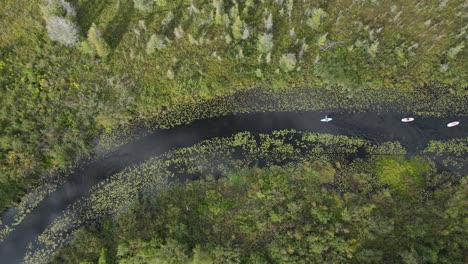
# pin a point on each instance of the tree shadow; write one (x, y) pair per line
(117, 27)
(87, 12)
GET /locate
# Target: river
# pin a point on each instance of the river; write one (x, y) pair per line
(375, 127)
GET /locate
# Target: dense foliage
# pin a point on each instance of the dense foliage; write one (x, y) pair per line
(69, 69)
(311, 213)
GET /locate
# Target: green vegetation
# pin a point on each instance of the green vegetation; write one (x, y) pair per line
(285, 215)
(244, 149)
(70, 69)
(96, 40)
(342, 160)
(395, 171)
(73, 70)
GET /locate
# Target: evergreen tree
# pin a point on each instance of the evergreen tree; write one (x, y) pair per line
(237, 28)
(97, 41)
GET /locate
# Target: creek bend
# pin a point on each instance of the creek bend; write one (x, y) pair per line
(375, 127)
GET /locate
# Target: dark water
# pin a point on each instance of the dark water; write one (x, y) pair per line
(372, 126)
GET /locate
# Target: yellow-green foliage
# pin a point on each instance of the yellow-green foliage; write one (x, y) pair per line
(97, 41)
(237, 28)
(400, 173)
(288, 62)
(316, 19)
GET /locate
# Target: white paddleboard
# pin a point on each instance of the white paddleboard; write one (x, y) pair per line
(407, 119)
(452, 124)
(326, 119)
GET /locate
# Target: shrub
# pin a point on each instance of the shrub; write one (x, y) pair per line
(154, 43)
(87, 49)
(259, 73)
(169, 17)
(143, 5)
(265, 43)
(322, 40)
(62, 30)
(288, 62)
(316, 19)
(372, 50)
(178, 32)
(455, 50)
(401, 174)
(170, 74)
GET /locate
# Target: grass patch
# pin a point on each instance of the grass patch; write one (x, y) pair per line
(400, 173)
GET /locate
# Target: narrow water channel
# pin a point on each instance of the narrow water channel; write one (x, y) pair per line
(375, 127)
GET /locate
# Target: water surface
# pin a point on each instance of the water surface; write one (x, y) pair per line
(375, 127)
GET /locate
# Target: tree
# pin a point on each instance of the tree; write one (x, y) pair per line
(103, 256)
(154, 43)
(269, 22)
(218, 6)
(289, 215)
(289, 7)
(62, 30)
(237, 28)
(97, 41)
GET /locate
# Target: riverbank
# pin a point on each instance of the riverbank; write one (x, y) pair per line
(376, 127)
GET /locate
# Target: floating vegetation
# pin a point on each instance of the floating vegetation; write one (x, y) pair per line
(217, 157)
(262, 99)
(35, 195)
(451, 153)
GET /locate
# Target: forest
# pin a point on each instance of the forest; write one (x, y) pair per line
(188, 131)
(72, 70)
(313, 212)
